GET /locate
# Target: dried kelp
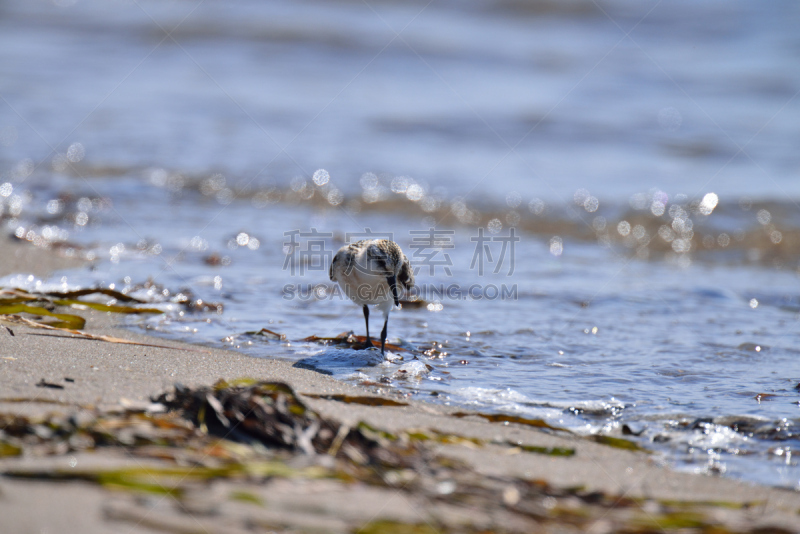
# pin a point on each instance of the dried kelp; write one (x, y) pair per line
(9, 297)
(619, 443)
(502, 418)
(413, 304)
(14, 301)
(17, 319)
(62, 320)
(358, 399)
(91, 429)
(122, 297)
(266, 334)
(350, 340)
(611, 441)
(41, 306)
(130, 310)
(271, 414)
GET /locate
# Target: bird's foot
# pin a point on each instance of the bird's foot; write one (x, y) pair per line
(366, 345)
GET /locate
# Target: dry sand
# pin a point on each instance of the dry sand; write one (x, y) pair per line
(99, 375)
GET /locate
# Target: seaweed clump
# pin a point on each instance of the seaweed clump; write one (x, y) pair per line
(272, 415)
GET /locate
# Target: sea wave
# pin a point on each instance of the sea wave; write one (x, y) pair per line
(650, 225)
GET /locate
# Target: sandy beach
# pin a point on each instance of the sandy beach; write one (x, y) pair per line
(480, 476)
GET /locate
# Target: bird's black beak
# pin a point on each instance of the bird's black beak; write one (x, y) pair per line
(393, 286)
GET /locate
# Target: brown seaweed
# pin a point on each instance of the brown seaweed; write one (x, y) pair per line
(502, 418)
(77, 334)
(122, 297)
(270, 413)
(63, 320)
(357, 399)
(266, 333)
(351, 340)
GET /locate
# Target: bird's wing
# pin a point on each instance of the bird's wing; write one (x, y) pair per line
(406, 274)
(330, 269)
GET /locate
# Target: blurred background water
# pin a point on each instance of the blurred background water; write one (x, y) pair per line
(644, 153)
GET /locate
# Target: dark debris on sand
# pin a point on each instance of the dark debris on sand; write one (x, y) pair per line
(271, 414)
(249, 435)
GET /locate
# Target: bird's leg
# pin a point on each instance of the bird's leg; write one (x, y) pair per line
(366, 320)
(392, 281)
(383, 335)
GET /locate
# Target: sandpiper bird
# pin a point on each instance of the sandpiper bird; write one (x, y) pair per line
(369, 272)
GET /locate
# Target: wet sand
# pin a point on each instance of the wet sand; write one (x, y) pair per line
(95, 375)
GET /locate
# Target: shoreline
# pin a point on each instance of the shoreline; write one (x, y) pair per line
(96, 377)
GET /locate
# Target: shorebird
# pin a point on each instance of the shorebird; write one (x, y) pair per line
(369, 272)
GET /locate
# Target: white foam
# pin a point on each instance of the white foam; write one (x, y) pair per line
(341, 363)
(30, 282)
(512, 401)
(506, 400)
(412, 369)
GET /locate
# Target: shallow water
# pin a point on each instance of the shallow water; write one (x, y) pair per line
(651, 181)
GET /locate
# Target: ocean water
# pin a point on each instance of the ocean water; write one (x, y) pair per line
(600, 199)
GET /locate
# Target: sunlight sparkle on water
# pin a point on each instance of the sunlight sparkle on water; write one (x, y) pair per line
(321, 177)
(369, 180)
(599, 223)
(75, 152)
(495, 225)
(556, 246)
(54, 207)
(536, 206)
(435, 306)
(708, 203)
(657, 208)
(591, 204)
(335, 196)
(400, 184)
(513, 199)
